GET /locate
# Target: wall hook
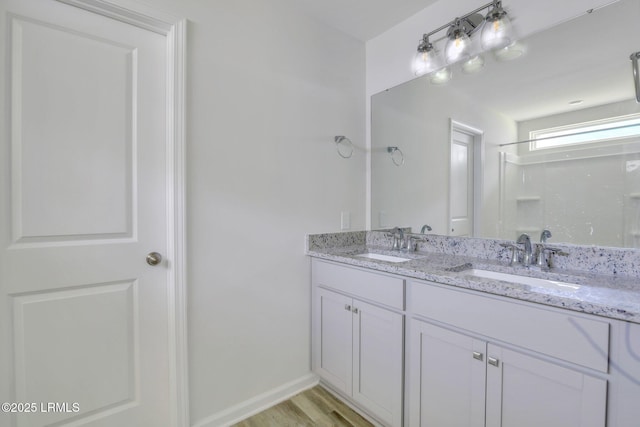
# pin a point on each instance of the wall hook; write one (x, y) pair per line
(344, 146)
(397, 157)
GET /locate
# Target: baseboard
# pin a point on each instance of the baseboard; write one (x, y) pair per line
(259, 403)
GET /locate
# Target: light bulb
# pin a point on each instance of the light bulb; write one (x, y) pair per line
(457, 47)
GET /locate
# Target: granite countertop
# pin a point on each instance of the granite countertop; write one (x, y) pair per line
(611, 296)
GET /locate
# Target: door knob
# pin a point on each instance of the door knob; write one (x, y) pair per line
(154, 258)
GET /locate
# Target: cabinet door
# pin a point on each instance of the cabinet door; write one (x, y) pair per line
(377, 361)
(333, 339)
(446, 378)
(523, 391)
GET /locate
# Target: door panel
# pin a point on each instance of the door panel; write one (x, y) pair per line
(450, 388)
(47, 324)
(523, 391)
(84, 198)
(377, 361)
(334, 338)
(86, 322)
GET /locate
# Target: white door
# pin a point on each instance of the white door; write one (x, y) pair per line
(461, 184)
(84, 317)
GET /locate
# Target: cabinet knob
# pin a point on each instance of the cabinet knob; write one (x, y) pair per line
(493, 361)
(477, 355)
(355, 310)
(347, 307)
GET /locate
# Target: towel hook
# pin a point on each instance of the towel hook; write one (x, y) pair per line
(397, 157)
(344, 146)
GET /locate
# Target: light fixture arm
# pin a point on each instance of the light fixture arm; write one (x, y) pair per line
(463, 17)
(425, 45)
(459, 46)
(496, 10)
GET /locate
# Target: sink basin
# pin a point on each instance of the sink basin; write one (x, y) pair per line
(523, 280)
(381, 257)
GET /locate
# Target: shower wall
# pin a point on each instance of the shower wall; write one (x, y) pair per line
(584, 196)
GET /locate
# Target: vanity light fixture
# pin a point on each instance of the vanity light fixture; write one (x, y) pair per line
(497, 33)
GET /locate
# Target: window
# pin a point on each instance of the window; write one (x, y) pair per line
(584, 133)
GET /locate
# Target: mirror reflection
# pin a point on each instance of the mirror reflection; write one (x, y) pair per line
(463, 174)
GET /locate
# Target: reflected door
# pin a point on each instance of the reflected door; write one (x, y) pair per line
(461, 184)
(84, 316)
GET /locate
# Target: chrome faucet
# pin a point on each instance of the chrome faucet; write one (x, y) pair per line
(526, 240)
(425, 227)
(544, 236)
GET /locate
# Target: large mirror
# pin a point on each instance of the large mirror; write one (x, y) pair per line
(443, 156)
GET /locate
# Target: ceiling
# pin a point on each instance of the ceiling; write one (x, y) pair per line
(362, 19)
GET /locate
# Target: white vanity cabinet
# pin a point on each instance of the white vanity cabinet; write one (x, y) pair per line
(468, 358)
(358, 337)
(464, 370)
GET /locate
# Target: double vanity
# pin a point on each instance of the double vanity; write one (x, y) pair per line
(453, 335)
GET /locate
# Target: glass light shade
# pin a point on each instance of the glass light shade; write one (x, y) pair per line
(473, 65)
(497, 31)
(426, 62)
(441, 76)
(458, 47)
(512, 51)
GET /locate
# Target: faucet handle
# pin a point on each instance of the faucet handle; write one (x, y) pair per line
(411, 243)
(515, 252)
(396, 242)
(549, 260)
(398, 238)
(556, 251)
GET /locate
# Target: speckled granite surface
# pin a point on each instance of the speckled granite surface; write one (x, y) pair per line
(608, 279)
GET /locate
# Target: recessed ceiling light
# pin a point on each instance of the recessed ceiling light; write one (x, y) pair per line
(576, 102)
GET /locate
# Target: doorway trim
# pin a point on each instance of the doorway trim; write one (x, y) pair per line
(175, 31)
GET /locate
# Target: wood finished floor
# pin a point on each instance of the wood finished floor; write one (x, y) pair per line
(313, 407)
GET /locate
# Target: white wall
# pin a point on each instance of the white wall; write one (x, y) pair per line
(268, 89)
